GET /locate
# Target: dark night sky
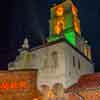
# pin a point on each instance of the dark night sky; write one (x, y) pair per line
(20, 18)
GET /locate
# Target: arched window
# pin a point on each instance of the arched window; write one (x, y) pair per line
(44, 89)
(54, 59)
(58, 89)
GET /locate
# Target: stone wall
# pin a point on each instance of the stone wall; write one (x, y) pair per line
(18, 85)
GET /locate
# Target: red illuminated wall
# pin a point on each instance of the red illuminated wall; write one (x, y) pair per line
(18, 85)
(88, 88)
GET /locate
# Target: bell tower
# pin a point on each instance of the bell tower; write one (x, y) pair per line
(64, 22)
(66, 55)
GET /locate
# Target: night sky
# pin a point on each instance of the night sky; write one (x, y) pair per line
(21, 18)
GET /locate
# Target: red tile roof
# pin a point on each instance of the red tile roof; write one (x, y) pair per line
(89, 81)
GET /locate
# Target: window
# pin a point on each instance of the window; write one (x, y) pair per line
(69, 73)
(55, 59)
(74, 61)
(89, 52)
(74, 10)
(76, 25)
(59, 11)
(79, 64)
(59, 26)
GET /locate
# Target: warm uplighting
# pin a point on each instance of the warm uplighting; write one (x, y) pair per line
(35, 99)
(50, 94)
(76, 25)
(59, 27)
(89, 53)
(22, 84)
(74, 10)
(4, 86)
(57, 30)
(85, 50)
(98, 93)
(13, 85)
(59, 10)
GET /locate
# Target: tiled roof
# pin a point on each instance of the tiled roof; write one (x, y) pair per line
(90, 81)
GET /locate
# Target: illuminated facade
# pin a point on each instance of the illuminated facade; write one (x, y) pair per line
(63, 59)
(64, 22)
(18, 85)
(87, 88)
(67, 55)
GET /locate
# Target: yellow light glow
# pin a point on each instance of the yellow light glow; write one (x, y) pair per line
(74, 10)
(50, 94)
(98, 93)
(76, 25)
(35, 99)
(85, 51)
(59, 26)
(57, 30)
(59, 10)
(89, 53)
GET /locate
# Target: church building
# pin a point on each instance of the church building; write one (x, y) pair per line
(60, 61)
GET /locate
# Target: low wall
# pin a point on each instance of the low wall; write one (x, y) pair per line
(18, 85)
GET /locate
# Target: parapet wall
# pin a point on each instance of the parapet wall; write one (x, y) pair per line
(18, 85)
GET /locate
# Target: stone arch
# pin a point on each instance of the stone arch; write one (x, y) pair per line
(58, 89)
(46, 92)
(54, 56)
(44, 89)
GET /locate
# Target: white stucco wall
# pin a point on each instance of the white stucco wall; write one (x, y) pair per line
(73, 72)
(64, 72)
(52, 74)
